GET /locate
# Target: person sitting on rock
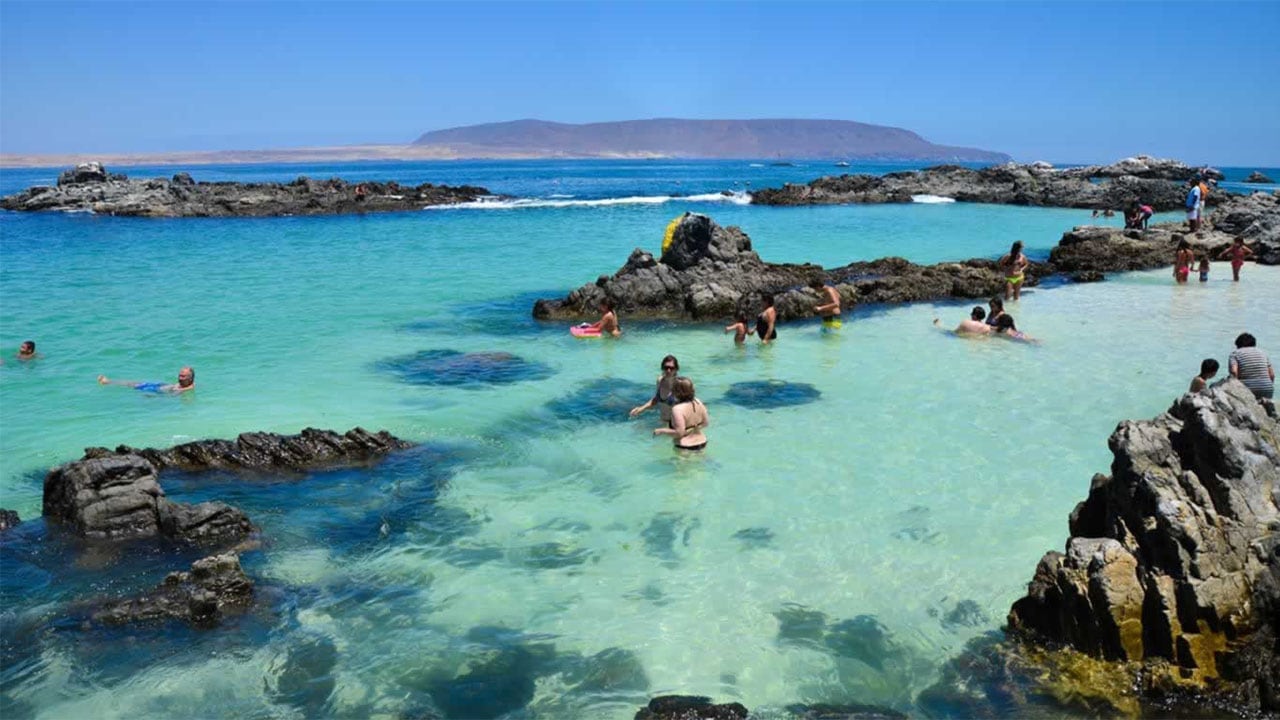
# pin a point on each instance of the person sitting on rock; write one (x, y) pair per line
(739, 329)
(973, 325)
(767, 322)
(186, 382)
(1251, 366)
(1208, 368)
(27, 351)
(829, 311)
(608, 322)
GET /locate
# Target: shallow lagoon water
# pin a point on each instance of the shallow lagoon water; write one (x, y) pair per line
(907, 503)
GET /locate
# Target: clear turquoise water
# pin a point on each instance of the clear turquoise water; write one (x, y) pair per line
(931, 470)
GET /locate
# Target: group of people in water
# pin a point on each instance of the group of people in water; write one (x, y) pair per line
(1237, 252)
(684, 416)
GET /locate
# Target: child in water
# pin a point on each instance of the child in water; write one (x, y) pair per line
(1237, 251)
(739, 329)
(1208, 368)
(1204, 268)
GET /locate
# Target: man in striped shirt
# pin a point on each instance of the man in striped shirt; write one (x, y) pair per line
(1251, 366)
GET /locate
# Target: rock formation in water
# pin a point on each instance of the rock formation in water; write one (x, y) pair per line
(1174, 558)
(1256, 177)
(1158, 183)
(1256, 219)
(270, 453)
(711, 271)
(119, 497)
(690, 707)
(8, 519)
(90, 188)
(214, 587)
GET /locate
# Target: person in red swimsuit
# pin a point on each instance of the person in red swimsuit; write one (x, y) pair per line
(1237, 251)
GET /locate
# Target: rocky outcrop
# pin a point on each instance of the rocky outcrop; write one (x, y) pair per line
(690, 707)
(214, 587)
(1158, 183)
(1256, 219)
(269, 453)
(119, 497)
(90, 188)
(1096, 249)
(1174, 558)
(8, 519)
(711, 271)
(1256, 177)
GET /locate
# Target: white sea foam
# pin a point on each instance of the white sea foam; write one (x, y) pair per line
(495, 203)
(931, 199)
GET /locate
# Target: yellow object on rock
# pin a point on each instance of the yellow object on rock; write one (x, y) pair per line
(671, 233)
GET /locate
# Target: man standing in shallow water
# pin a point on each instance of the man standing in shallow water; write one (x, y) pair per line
(186, 381)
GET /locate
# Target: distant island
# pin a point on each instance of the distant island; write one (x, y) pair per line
(724, 139)
(637, 139)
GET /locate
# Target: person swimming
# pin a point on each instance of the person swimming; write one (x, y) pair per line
(974, 325)
(27, 350)
(663, 395)
(688, 418)
(186, 382)
(739, 329)
(767, 321)
(1006, 328)
(997, 310)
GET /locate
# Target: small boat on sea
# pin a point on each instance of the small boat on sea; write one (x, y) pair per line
(842, 163)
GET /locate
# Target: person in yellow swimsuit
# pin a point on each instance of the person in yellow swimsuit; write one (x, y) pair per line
(829, 310)
(1014, 266)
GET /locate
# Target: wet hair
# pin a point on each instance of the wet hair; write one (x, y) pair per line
(1004, 323)
(996, 304)
(607, 304)
(978, 313)
(671, 359)
(740, 318)
(682, 388)
(767, 299)
(1208, 366)
(817, 283)
(28, 346)
(1246, 340)
(1015, 249)
(1183, 244)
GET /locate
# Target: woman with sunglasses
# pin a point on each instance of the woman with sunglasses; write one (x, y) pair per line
(664, 395)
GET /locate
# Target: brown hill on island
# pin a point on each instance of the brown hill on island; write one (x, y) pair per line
(791, 139)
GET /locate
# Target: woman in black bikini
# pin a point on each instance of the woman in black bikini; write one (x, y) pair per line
(663, 395)
(688, 418)
(766, 323)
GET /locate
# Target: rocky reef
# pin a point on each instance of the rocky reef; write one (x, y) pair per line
(8, 519)
(90, 188)
(261, 453)
(1155, 182)
(711, 271)
(1171, 577)
(215, 586)
(1257, 177)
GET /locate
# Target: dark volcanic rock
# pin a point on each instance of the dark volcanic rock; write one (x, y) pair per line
(215, 586)
(600, 400)
(303, 675)
(690, 707)
(826, 711)
(1158, 183)
(1173, 557)
(90, 187)
(711, 272)
(1257, 177)
(8, 519)
(1256, 219)
(454, 368)
(119, 496)
(1090, 249)
(270, 453)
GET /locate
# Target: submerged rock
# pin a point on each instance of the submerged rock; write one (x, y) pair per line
(215, 586)
(690, 707)
(89, 187)
(119, 496)
(8, 519)
(770, 394)
(302, 676)
(1174, 561)
(601, 400)
(827, 711)
(454, 368)
(270, 453)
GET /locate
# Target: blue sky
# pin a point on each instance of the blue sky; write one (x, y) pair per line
(1062, 81)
